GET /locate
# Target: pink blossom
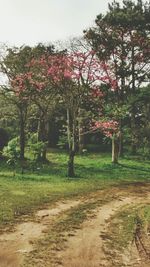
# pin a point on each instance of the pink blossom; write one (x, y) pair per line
(108, 127)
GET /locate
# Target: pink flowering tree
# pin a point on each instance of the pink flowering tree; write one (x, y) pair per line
(111, 130)
(101, 73)
(114, 109)
(77, 78)
(86, 81)
(14, 90)
(26, 87)
(39, 88)
(72, 76)
(85, 75)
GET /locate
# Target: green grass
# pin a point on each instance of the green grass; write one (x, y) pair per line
(22, 194)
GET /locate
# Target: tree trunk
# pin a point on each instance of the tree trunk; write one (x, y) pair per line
(133, 135)
(81, 140)
(53, 132)
(133, 124)
(80, 132)
(115, 149)
(42, 138)
(22, 136)
(81, 144)
(71, 143)
(71, 172)
(43, 156)
(121, 152)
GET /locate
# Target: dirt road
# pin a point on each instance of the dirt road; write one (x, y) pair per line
(86, 247)
(14, 246)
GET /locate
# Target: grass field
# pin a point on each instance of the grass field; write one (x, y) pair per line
(22, 194)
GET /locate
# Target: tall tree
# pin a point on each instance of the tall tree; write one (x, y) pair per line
(72, 75)
(14, 67)
(121, 39)
(17, 89)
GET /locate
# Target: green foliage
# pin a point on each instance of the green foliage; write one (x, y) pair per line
(144, 149)
(36, 147)
(121, 39)
(140, 102)
(63, 141)
(12, 151)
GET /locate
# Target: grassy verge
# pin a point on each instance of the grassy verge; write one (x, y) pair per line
(23, 193)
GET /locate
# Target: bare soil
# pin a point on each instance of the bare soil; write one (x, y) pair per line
(14, 246)
(85, 247)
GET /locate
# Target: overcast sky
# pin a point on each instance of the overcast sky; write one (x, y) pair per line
(34, 21)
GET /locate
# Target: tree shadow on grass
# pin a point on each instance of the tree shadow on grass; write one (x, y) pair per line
(135, 168)
(56, 170)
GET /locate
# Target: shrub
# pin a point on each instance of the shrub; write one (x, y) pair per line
(12, 151)
(35, 146)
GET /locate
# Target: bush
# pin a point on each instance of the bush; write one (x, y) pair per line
(35, 146)
(12, 151)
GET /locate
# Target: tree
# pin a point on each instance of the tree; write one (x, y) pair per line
(14, 67)
(43, 94)
(141, 104)
(121, 39)
(22, 89)
(72, 76)
(111, 130)
(87, 81)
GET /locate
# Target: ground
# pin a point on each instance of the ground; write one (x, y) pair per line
(107, 225)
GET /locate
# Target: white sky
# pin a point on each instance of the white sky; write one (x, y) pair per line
(34, 21)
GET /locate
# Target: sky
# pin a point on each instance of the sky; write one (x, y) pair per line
(33, 21)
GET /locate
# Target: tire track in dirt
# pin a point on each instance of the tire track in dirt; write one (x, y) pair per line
(14, 246)
(85, 249)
